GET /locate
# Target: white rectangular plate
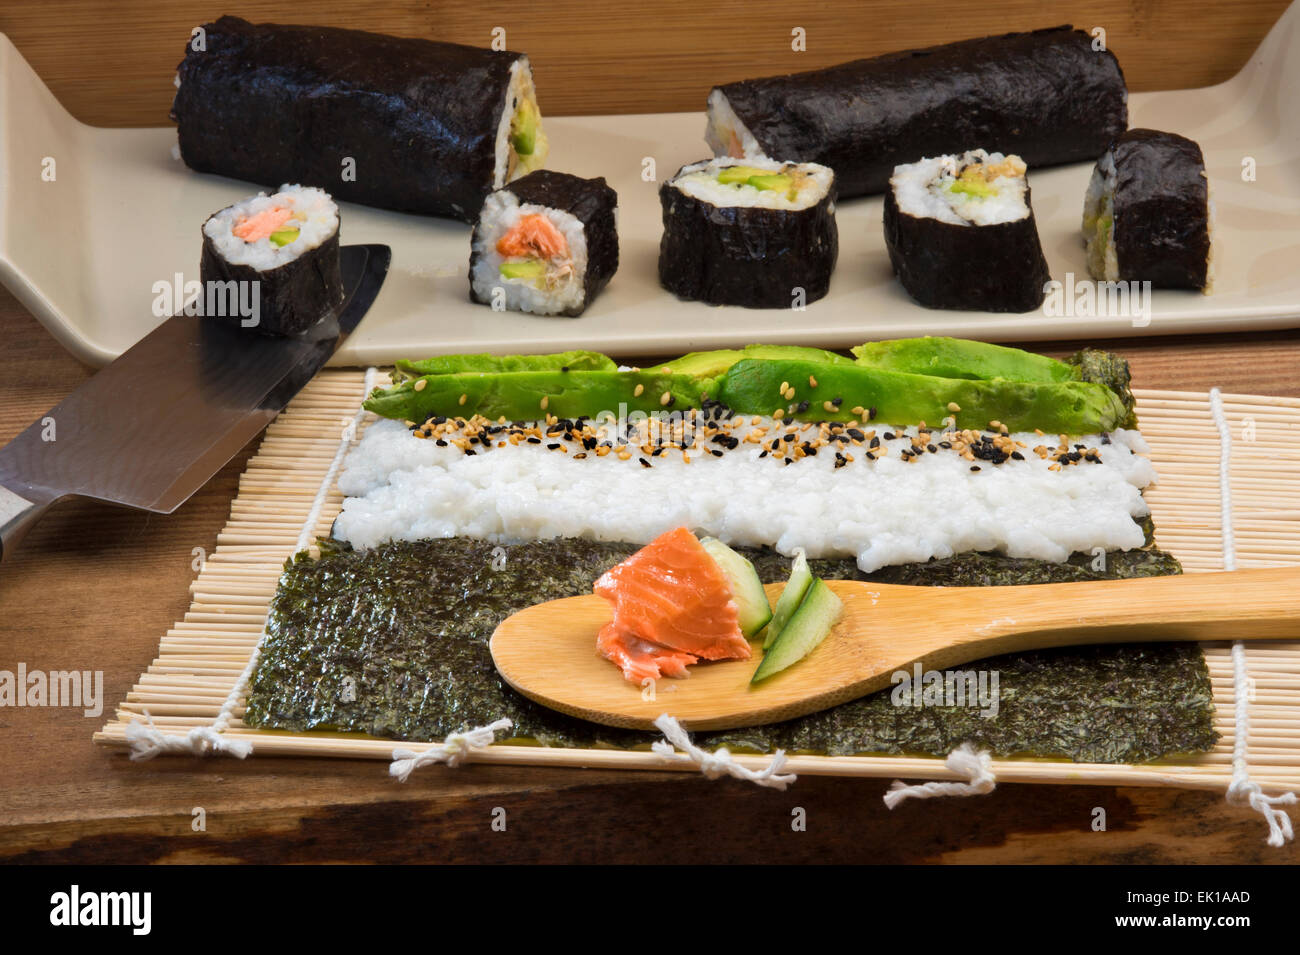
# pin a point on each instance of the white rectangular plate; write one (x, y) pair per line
(84, 249)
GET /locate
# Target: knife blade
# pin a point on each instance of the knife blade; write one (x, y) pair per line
(151, 428)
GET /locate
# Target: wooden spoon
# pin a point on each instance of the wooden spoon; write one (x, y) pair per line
(548, 652)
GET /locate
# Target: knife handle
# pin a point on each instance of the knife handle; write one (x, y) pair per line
(17, 515)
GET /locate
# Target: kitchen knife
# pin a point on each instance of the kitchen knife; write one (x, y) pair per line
(151, 428)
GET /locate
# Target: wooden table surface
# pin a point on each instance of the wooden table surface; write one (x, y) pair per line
(94, 587)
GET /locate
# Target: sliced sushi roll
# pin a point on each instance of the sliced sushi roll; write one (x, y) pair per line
(286, 246)
(1148, 213)
(546, 244)
(961, 234)
(758, 233)
(397, 122)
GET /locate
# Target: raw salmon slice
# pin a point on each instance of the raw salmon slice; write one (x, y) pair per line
(263, 224)
(672, 596)
(533, 235)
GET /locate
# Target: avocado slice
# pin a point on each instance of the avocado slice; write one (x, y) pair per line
(710, 364)
(774, 182)
(962, 358)
(518, 395)
(971, 187)
(523, 129)
(753, 386)
(738, 175)
(283, 237)
(522, 269)
(484, 362)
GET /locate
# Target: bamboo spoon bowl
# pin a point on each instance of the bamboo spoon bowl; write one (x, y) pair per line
(548, 651)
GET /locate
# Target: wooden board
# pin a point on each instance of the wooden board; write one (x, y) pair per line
(201, 658)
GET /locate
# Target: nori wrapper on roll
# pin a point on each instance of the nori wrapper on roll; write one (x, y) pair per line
(1045, 95)
(291, 297)
(593, 203)
(992, 268)
(746, 255)
(272, 104)
(1161, 203)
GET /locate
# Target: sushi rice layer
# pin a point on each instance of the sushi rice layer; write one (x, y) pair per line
(310, 218)
(883, 505)
(974, 188)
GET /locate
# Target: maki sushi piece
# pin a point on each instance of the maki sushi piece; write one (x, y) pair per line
(757, 233)
(1047, 96)
(407, 124)
(546, 244)
(961, 234)
(282, 252)
(1148, 213)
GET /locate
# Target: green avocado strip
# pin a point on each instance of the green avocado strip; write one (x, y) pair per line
(1068, 407)
(962, 358)
(711, 364)
(530, 395)
(486, 363)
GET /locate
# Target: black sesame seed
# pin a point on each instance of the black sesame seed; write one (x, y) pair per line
(645, 463)
(837, 401)
(553, 447)
(974, 467)
(803, 406)
(441, 443)
(1017, 456)
(871, 414)
(889, 436)
(533, 440)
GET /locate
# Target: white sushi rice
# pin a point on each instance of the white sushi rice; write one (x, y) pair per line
(1099, 205)
(501, 211)
(700, 181)
(919, 190)
(314, 214)
(726, 131)
(884, 512)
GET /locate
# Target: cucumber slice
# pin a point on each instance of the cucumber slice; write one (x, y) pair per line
(796, 588)
(806, 629)
(746, 588)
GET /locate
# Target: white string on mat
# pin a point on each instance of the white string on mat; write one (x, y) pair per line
(719, 763)
(147, 741)
(1242, 791)
(453, 751)
(965, 761)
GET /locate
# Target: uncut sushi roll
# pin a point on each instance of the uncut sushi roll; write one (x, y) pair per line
(286, 246)
(546, 244)
(1148, 215)
(1046, 95)
(757, 233)
(401, 123)
(961, 234)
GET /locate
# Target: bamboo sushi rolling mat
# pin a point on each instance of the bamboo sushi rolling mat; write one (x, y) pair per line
(204, 656)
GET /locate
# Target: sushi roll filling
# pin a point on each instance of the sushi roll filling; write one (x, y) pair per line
(757, 182)
(534, 251)
(522, 145)
(975, 188)
(266, 231)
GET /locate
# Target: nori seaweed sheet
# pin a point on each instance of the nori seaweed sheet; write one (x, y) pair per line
(291, 297)
(592, 202)
(745, 255)
(993, 268)
(393, 642)
(1046, 96)
(272, 103)
(1161, 205)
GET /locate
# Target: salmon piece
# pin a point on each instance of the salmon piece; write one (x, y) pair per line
(640, 660)
(669, 596)
(533, 235)
(260, 226)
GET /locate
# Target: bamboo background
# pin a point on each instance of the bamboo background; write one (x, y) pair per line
(111, 63)
(201, 657)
